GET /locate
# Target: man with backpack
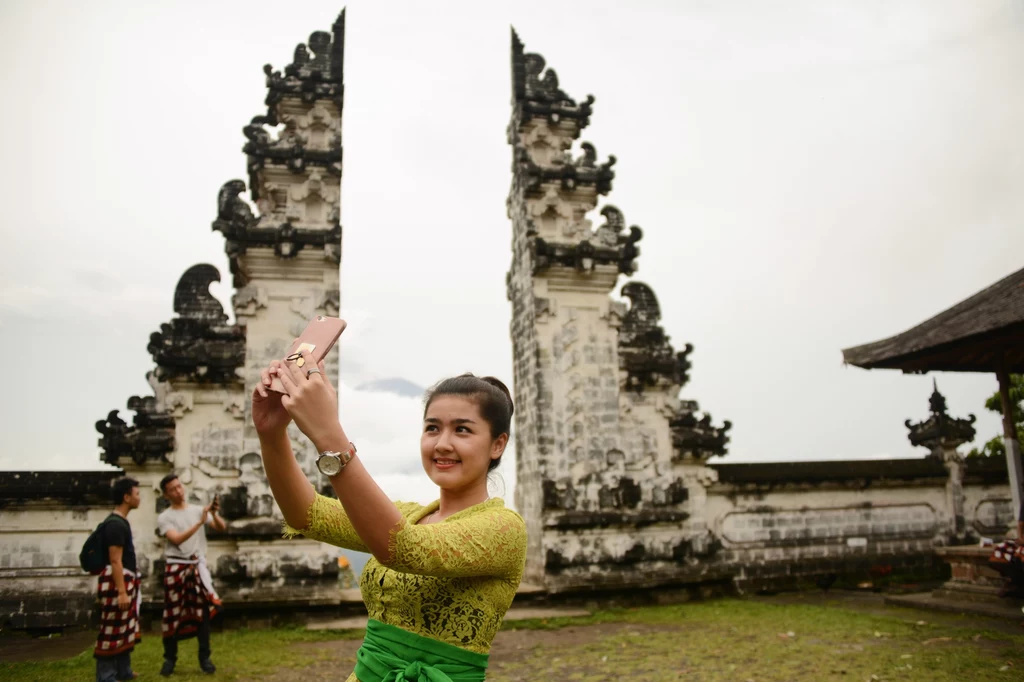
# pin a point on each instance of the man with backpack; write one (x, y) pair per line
(189, 598)
(118, 586)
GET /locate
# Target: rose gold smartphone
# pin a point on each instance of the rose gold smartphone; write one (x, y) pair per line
(318, 338)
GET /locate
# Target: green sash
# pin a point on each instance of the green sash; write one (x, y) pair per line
(391, 654)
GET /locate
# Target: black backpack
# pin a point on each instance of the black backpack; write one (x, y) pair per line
(94, 556)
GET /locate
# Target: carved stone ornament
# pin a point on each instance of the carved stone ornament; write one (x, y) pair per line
(198, 345)
(242, 231)
(940, 430)
(598, 249)
(645, 353)
(316, 71)
(536, 92)
(697, 439)
(291, 153)
(569, 175)
(149, 438)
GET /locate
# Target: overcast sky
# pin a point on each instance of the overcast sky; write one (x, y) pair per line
(808, 176)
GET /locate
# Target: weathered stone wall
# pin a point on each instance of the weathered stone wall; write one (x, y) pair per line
(46, 518)
(811, 518)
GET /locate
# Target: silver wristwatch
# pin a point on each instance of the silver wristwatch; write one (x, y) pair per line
(330, 462)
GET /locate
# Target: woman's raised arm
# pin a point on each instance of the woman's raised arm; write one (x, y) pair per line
(313, 403)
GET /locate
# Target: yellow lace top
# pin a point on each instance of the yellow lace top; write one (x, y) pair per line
(452, 581)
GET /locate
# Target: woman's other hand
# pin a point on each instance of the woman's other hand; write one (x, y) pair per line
(268, 414)
(312, 402)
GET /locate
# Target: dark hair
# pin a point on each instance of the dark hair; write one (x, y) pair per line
(165, 480)
(121, 487)
(490, 394)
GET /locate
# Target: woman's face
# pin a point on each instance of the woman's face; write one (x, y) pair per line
(456, 444)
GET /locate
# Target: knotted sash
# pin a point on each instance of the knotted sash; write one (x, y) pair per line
(391, 654)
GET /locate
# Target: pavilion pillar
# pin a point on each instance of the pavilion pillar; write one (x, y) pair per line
(1013, 461)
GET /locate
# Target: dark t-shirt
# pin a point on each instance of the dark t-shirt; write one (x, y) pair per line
(118, 533)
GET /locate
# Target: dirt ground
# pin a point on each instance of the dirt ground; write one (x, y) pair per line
(510, 647)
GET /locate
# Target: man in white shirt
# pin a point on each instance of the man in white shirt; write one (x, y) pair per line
(189, 598)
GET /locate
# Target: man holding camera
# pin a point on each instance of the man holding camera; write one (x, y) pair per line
(189, 598)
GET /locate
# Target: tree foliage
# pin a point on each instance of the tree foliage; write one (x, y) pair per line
(996, 447)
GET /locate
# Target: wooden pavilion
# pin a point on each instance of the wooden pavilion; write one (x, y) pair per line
(984, 333)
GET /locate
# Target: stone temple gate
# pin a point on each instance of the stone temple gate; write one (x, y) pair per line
(613, 473)
(611, 464)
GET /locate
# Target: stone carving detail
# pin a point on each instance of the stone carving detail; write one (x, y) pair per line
(606, 246)
(626, 495)
(675, 493)
(559, 496)
(289, 150)
(940, 431)
(569, 175)
(198, 345)
(696, 438)
(645, 353)
(319, 75)
(249, 299)
(536, 91)
(242, 231)
(150, 437)
(328, 301)
(178, 403)
(233, 215)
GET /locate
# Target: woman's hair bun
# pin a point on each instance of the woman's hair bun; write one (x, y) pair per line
(500, 385)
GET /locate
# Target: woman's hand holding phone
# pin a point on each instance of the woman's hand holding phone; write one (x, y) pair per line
(271, 414)
(311, 401)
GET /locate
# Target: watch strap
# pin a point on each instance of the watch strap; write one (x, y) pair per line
(347, 455)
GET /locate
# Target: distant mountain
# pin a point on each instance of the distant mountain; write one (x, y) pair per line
(396, 385)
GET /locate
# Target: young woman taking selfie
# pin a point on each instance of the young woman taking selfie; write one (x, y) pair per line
(443, 575)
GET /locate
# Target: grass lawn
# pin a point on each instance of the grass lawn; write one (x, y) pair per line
(734, 639)
(239, 655)
(726, 640)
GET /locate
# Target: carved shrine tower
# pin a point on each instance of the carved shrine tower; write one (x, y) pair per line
(286, 262)
(284, 259)
(610, 463)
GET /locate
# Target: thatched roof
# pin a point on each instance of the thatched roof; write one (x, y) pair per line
(984, 333)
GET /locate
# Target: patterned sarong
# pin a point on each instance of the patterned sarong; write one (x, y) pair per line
(120, 630)
(1008, 560)
(1007, 552)
(188, 588)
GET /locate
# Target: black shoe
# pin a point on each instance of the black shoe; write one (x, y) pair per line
(207, 667)
(168, 669)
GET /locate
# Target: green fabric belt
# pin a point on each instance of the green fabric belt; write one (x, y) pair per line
(391, 654)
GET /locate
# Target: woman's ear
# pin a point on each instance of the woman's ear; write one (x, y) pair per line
(498, 446)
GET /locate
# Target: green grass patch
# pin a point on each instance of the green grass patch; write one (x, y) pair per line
(735, 639)
(716, 641)
(238, 654)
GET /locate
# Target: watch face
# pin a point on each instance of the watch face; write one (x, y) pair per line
(329, 465)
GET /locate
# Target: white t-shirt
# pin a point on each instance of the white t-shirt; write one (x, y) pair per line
(182, 520)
